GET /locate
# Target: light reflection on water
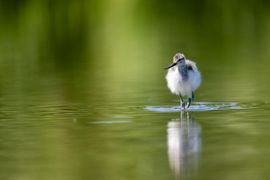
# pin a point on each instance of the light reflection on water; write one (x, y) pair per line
(184, 145)
(199, 106)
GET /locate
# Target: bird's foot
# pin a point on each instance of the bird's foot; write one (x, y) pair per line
(189, 102)
(183, 106)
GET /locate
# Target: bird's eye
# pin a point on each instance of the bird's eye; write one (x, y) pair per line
(180, 59)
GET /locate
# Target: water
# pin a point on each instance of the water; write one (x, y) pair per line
(83, 92)
(198, 106)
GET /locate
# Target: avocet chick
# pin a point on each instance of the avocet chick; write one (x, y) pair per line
(183, 78)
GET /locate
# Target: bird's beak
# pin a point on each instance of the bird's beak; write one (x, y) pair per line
(170, 66)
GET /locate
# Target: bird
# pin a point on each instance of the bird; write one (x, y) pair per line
(183, 78)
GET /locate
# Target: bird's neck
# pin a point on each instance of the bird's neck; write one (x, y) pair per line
(183, 70)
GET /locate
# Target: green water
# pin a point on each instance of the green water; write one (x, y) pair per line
(77, 79)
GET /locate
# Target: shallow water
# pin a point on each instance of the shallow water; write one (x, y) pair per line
(83, 92)
(198, 106)
(49, 134)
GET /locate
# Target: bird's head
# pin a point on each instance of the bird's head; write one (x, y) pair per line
(178, 58)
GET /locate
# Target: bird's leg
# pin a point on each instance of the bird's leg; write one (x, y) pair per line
(182, 102)
(189, 102)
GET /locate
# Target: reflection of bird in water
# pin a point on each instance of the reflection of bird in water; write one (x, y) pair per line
(184, 144)
(183, 78)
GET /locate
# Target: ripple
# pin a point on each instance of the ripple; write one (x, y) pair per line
(198, 106)
(110, 122)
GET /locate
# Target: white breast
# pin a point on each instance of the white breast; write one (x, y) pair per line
(176, 84)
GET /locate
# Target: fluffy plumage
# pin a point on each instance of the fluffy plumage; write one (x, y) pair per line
(183, 76)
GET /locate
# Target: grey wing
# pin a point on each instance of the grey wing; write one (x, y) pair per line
(189, 67)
